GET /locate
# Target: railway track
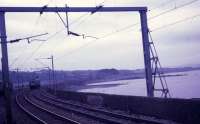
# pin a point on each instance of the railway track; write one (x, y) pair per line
(60, 111)
(96, 114)
(41, 114)
(48, 109)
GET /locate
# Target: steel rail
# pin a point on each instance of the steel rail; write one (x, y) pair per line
(28, 112)
(95, 117)
(108, 113)
(68, 120)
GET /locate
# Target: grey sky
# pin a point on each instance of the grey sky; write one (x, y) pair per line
(177, 45)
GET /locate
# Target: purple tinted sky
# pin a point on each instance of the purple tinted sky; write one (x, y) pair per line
(177, 45)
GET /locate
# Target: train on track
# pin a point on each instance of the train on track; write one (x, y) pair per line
(34, 83)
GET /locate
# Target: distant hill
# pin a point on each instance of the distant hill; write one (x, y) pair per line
(78, 77)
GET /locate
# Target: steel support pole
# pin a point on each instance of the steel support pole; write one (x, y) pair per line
(5, 70)
(52, 64)
(146, 51)
(18, 78)
(49, 84)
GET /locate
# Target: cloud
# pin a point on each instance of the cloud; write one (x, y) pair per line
(120, 50)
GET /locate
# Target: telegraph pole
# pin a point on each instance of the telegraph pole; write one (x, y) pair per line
(5, 70)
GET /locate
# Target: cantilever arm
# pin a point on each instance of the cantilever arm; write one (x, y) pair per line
(27, 38)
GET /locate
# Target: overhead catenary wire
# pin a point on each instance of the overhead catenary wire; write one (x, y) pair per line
(150, 18)
(163, 4)
(39, 46)
(35, 25)
(66, 24)
(156, 16)
(172, 9)
(126, 28)
(29, 39)
(79, 18)
(20, 55)
(130, 26)
(40, 62)
(176, 22)
(48, 38)
(98, 7)
(94, 41)
(32, 54)
(163, 13)
(37, 21)
(71, 23)
(45, 6)
(83, 18)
